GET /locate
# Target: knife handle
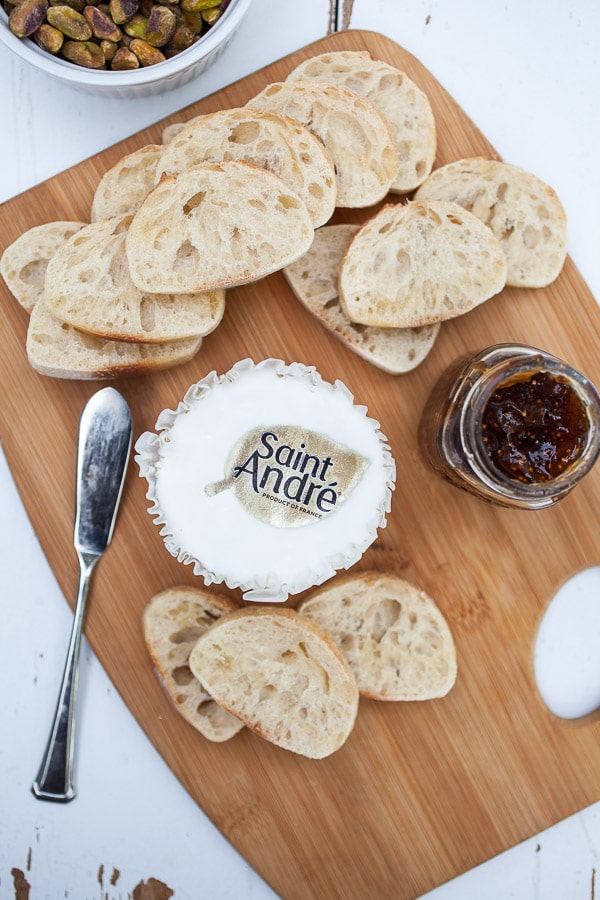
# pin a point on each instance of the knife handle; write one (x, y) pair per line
(55, 777)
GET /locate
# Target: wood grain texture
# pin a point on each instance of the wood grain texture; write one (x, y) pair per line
(421, 791)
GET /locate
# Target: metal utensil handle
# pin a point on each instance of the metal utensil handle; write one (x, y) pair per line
(55, 778)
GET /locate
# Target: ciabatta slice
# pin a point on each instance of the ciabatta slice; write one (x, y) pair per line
(88, 285)
(273, 142)
(419, 263)
(24, 262)
(61, 351)
(172, 622)
(282, 676)
(405, 106)
(524, 213)
(394, 636)
(123, 187)
(354, 132)
(314, 279)
(215, 225)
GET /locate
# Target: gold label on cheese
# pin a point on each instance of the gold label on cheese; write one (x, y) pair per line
(289, 476)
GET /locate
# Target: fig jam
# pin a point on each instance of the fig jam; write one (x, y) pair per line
(513, 425)
(535, 428)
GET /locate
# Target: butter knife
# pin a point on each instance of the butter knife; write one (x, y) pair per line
(103, 447)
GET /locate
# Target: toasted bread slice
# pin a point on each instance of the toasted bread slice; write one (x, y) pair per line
(419, 263)
(123, 187)
(405, 106)
(172, 622)
(395, 638)
(24, 262)
(273, 142)
(215, 226)
(88, 286)
(314, 280)
(354, 132)
(524, 213)
(282, 676)
(61, 351)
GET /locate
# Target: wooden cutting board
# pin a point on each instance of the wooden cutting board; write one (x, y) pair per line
(421, 791)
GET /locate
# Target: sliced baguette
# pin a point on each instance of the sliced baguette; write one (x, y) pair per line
(123, 187)
(273, 142)
(215, 226)
(172, 622)
(354, 132)
(404, 105)
(524, 213)
(314, 280)
(24, 262)
(89, 287)
(170, 132)
(419, 263)
(395, 638)
(61, 351)
(282, 676)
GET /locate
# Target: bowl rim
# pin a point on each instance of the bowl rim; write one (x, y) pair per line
(27, 50)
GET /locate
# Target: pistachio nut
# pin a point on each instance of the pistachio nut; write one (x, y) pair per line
(72, 24)
(194, 21)
(199, 5)
(181, 40)
(136, 26)
(147, 55)
(102, 25)
(160, 26)
(121, 11)
(83, 53)
(48, 38)
(74, 4)
(210, 16)
(27, 16)
(109, 48)
(124, 59)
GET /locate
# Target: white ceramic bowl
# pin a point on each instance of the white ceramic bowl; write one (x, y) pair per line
(150, 80)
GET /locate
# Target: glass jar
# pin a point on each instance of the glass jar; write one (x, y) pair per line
(465, 443)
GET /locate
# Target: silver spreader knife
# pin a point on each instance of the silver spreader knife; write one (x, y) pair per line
(103, 447)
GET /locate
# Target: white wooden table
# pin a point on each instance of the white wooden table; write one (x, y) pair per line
(528, 73)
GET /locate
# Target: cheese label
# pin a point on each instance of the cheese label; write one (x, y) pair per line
(288, 476)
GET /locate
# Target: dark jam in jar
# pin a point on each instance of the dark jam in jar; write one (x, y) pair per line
(533, 429)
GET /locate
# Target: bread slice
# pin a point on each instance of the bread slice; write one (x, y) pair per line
(524, 213)
(215, 226)
(172, 622)
(61, 351)
(171, 131)
(282, 676)
(24, 262)
(354, 132)
(123, 187)
(395, 638)
(88, 286)
(405, 106)
(314, 280)
(273, 142)
(419, 263)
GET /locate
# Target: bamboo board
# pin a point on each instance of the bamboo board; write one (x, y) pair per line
(420, 792)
